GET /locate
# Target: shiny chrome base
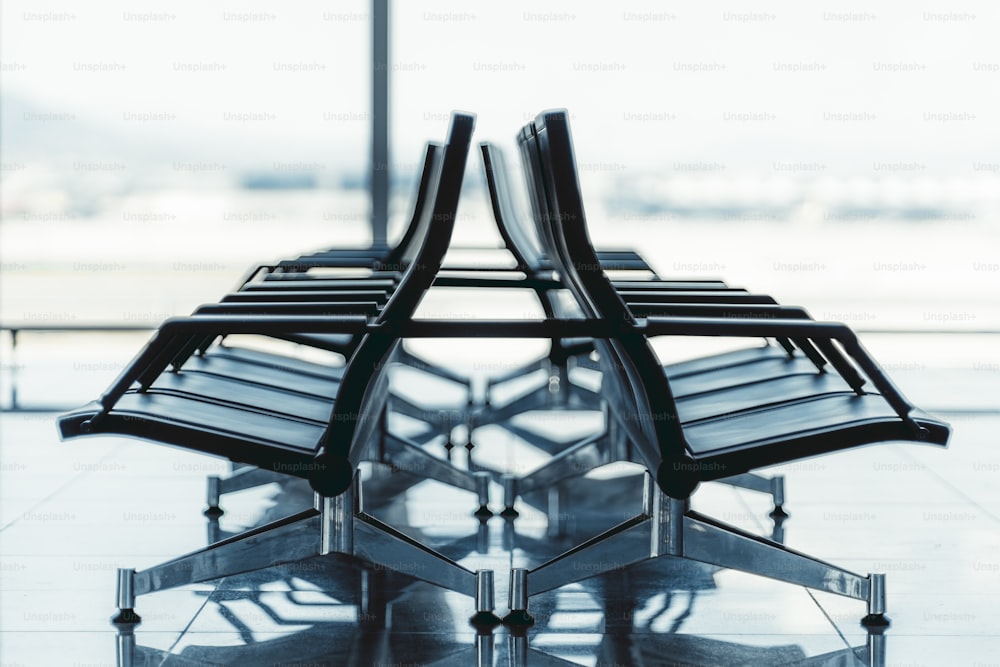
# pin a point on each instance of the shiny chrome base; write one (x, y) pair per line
(334, 526)
(669, 528)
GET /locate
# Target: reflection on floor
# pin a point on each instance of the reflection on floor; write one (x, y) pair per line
(72, 513)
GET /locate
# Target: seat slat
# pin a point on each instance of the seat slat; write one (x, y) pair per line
(754, 395)
(277, 375)
(722, 360)
(205, 418)
(725, 377)
(311, 368)
(225, 390)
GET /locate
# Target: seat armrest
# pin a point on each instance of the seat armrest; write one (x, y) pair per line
(821, 332)
(175, 333)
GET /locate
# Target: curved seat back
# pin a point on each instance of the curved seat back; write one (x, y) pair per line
(634, 384)
(360, 406)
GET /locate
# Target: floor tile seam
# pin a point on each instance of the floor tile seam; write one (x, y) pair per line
(955, 489)
(180, 635)
(62, 487)
(829, 618)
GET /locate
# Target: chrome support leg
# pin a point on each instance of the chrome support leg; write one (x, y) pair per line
(778, 493)
(518, 603)
(484, 591)
(483, 492)
(509, 482)
(485, 600)
(214, 492)
(125, 598)
(876, 617)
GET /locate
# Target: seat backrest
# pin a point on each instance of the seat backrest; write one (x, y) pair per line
(563, 223)
(417, 226)
(510, 221)
(634, 383)
(423, 259)
(518, 236)
(360, 403)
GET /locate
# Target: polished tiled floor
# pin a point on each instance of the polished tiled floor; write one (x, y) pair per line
(73, 512)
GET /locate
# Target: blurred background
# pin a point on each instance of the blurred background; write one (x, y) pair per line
(844, 156)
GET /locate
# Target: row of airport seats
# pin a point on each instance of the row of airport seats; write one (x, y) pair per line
(309, 277)
(803, 388)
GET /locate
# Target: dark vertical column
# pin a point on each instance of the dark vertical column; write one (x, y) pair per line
(380, 121)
